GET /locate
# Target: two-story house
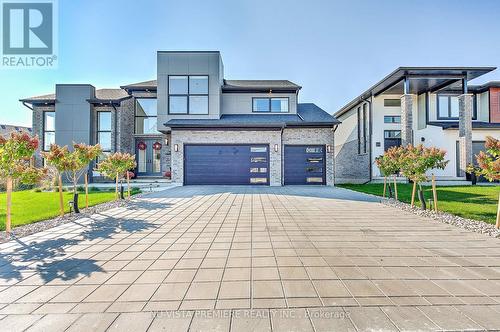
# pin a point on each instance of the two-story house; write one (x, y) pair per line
(194, 122)
(433, 106)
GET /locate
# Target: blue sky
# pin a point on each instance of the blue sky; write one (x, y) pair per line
(333, 49)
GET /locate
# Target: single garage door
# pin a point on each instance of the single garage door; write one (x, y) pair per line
(226, 164)
(304, 164)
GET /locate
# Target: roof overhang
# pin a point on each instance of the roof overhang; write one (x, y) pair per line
(420, 80)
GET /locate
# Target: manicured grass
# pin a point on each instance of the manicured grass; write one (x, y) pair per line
(474, 202)
(29, 206)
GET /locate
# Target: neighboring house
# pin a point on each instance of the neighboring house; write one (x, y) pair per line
(5, 130)
(192, 121)
(433, 106)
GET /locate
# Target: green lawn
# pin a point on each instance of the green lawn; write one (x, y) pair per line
(29, 206)
(474, 202)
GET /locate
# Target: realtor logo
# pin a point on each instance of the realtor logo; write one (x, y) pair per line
(29, 34)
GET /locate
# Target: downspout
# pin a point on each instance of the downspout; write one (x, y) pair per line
(334, 129)
(370, 132)
(282, 156)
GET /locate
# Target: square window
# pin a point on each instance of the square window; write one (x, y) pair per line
(177, 105)
(261, 104)
(146, 107)
(178, 85)
(198, 85)
(198, 104)
(279, 105)
(454, 108)
(145, 125)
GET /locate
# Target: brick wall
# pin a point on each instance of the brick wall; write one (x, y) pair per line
(495, 105)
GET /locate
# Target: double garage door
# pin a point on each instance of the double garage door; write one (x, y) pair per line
(249, 164)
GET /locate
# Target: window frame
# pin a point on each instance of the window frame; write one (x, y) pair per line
(188, 94)
(47, 131)
(145, 116)
(392, 117)
(392, 130)
(392, 105)
(474, 107)
(99, 131)
(365, 132)
(269, 104)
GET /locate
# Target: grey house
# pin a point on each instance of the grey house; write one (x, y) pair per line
(198, 125)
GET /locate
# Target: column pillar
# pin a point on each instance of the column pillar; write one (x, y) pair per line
(406, 119)
(465, 131)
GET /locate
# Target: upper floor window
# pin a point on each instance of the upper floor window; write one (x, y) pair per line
(274, 105)
(49, 129)
(188, 94)
(104, 130)
(447, 107)
(392, 102)
(392, 119)
(145, 116)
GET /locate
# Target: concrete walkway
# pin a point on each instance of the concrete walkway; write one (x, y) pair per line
(251, 259)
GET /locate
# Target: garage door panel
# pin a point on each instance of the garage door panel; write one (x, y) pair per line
(226, 164)
(304, 164)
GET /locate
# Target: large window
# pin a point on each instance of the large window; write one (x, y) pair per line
(104, 130)
(188, 94)
(145, 116)
(49, 129)
(274, 105)
(391, 138)
(447, 107)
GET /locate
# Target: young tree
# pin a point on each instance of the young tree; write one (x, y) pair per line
(416, 161)
(116, 166)
(489, 165)
(387, 168)
(56, 157)
(392, 159)
(15, 164)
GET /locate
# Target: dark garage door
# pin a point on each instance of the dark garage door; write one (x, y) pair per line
(477, 146)
(304, 164)
(226, 164)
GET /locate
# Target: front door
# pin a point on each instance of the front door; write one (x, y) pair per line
(148, 157)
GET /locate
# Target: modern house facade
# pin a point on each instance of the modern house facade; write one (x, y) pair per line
(194, 123)
(433, 106)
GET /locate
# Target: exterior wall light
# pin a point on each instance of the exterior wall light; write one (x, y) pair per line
(166, 141)
(275, 147)
(329, 148)
(176, 147)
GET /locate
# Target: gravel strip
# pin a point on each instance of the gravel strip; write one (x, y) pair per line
(447, 218)
(40, 226)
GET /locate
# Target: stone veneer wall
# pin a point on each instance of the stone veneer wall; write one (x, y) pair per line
(351, 167)
(125, 132)
(314, 136)
(181, 137)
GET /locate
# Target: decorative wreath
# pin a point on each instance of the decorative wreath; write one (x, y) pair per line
(157, 146)
(141, 146)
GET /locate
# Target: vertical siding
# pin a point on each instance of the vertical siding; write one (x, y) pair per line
(495, 105)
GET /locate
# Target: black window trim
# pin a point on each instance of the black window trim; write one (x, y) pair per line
(106, 131)
(144, 116)
(269, 104)
(188, 94)
(392, 117)
(449, 117)
(392, 105)
(47, 131)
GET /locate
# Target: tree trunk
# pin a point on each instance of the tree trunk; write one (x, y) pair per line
(385, 186)
(498, 212)
(422, 199)
(9, 205)
(128, 184)
(61, 200)
(86, 190)
(413, 193)
(395, 188)
(116, 188)
(434, 193)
